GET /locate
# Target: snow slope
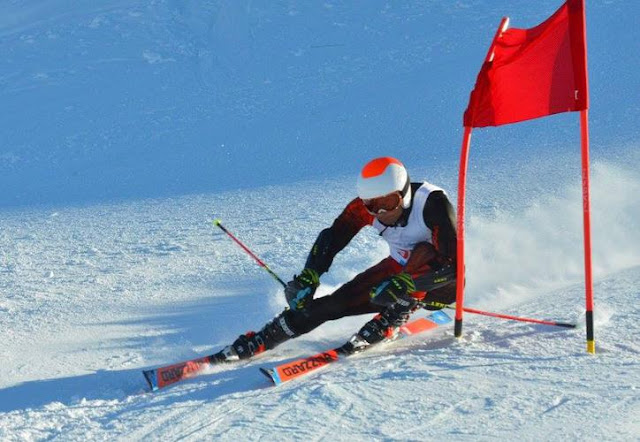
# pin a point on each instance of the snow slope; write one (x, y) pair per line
(126, 127)
(93, 295)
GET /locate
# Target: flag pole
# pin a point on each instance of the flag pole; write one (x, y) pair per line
(462, 188)
(462, 184)
(586, 212)
(578, 29)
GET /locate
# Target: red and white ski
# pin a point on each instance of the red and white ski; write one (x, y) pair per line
(300, 367)
(160, 377)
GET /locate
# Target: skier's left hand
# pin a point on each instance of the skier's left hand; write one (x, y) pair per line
(394, 290)
(301, 289)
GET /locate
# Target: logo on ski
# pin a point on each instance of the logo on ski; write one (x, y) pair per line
(304, 365)
(291, 370)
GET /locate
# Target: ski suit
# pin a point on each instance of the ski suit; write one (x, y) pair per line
(421, 242)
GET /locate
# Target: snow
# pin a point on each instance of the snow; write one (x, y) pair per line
(127, 127)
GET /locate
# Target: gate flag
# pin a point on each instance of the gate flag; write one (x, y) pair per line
(533, 72)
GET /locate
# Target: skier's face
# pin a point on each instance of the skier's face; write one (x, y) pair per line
(390, 217)
(387, 209)
(383, 204)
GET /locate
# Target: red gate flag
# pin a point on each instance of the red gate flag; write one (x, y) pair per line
(530, 73)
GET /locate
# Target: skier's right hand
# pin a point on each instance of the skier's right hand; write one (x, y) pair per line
(301, 289)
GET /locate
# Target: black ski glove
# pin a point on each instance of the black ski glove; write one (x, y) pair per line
(301, 289)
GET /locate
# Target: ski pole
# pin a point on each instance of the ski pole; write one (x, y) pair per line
(503, 316)
(216, 222)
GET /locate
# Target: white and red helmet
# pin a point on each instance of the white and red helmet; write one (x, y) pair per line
(382, 176)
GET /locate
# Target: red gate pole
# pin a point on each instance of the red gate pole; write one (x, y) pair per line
(586, 215)
(462, 184)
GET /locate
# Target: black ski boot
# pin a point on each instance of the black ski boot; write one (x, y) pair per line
(383, 326)
(252, 343)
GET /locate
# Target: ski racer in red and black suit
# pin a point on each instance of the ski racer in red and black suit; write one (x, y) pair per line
(418, 222)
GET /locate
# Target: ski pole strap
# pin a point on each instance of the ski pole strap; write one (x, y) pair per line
(502, 316)
(218, 223)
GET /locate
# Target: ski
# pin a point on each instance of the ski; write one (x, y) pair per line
(160, 377)
(300, 367)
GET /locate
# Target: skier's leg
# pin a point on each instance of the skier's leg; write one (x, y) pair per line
(438, 298)
(350, 299)
(385, 324)
(398, 298)
(252, 343)
(404, 302)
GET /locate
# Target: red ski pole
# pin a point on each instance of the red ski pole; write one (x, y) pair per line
(216, 222)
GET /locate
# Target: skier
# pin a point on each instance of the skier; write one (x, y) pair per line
(417, 221)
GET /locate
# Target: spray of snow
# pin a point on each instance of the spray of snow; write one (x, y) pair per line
(515, 255)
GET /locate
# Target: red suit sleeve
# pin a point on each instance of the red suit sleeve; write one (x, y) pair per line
(335, 238)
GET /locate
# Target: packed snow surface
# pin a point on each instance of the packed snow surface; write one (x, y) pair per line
(127, 127)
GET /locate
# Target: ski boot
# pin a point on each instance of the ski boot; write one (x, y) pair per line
(383, 327)
(252, 343)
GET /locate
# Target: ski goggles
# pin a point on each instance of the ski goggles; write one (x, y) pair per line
(383, 204)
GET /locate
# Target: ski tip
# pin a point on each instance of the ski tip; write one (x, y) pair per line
(217, 222)
(271, 374)
(151, 378)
